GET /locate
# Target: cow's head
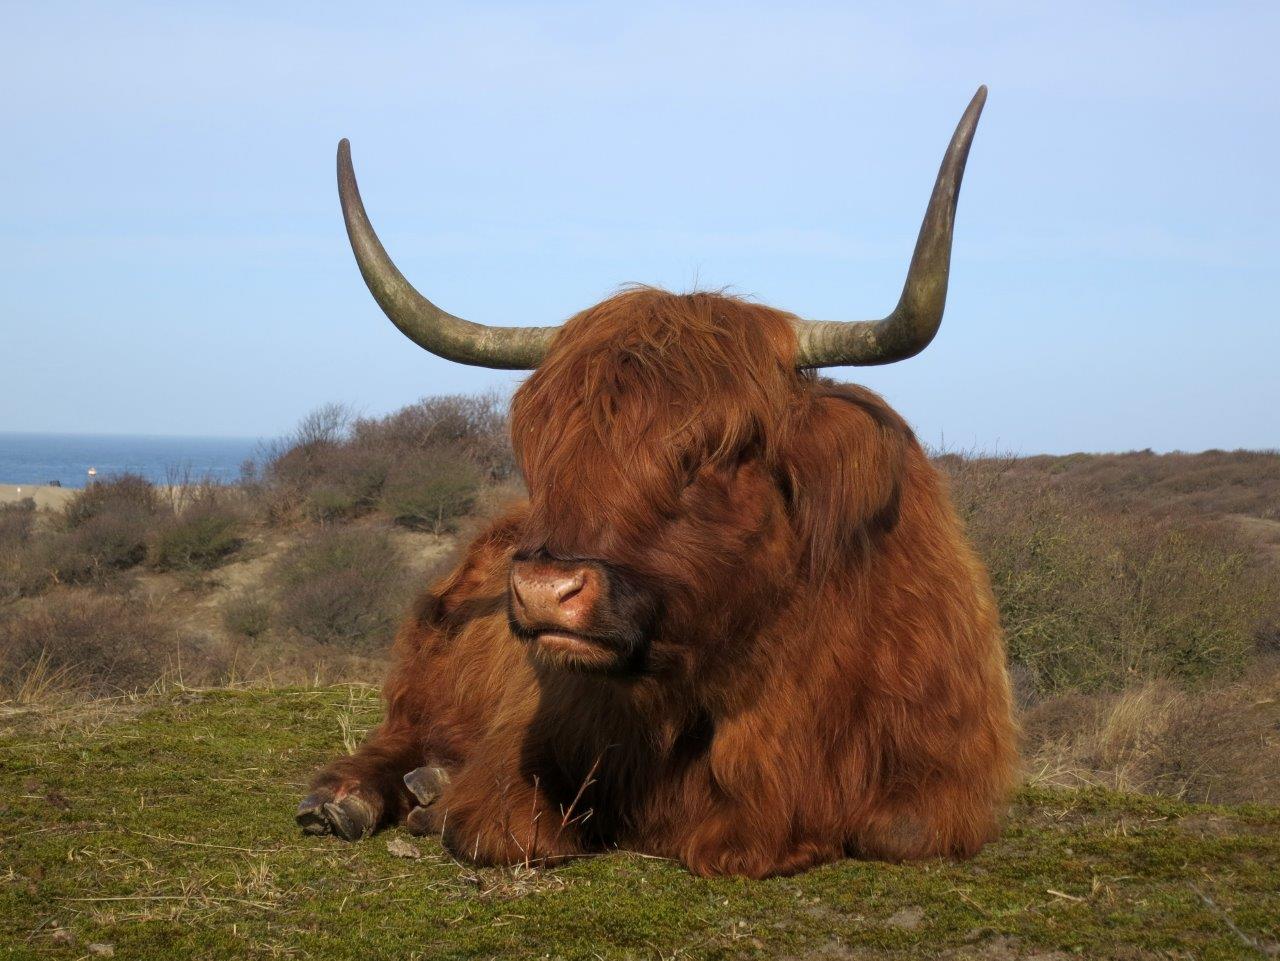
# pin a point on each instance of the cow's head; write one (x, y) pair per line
(687, 473)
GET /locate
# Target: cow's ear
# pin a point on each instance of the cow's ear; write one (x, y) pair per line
(842, 472)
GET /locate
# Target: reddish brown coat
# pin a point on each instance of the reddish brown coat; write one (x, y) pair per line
(824, 674)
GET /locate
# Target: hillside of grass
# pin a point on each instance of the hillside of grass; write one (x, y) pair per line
(161, 827)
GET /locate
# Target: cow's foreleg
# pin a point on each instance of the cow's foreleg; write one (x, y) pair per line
(354, 795)
(492, 812)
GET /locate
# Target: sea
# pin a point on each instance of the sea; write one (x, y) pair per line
(28, 458)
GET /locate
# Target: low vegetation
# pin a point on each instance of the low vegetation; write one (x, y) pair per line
(313, 528)
(162, 827)
(1095, 598)
(199, 537)
(1217, 482)
(340, 586)
(423, 466)
(85, 641)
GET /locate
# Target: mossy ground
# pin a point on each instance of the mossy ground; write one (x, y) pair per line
(165, 829)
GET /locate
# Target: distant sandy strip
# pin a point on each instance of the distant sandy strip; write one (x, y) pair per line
(45, 496)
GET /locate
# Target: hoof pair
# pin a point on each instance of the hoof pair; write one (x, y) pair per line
(349, 816)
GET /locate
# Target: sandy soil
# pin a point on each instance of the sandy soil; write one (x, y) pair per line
(45, 496)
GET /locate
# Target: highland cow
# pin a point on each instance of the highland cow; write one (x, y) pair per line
(735, 623)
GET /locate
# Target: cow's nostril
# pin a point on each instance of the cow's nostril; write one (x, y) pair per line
(567, 587)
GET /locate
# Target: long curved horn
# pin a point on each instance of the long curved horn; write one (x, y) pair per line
(506, 348)
(908, 330)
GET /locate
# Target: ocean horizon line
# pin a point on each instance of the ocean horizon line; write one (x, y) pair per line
(140, 435)
(38, 458)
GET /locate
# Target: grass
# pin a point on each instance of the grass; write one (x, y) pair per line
(162, 826)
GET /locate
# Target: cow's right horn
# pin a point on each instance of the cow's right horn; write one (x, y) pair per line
(908, 330)
(507, 348)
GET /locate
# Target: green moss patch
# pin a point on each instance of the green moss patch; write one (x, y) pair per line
(167, 832)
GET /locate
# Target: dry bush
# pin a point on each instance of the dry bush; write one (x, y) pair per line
(417, 463)
(247, 614)
(102, 530)
(1096, 600)
(344, 483)
(101, 644)
(344, 587)
(431, 491)
(1214, 482)
(204, 530)
(17, 521)
(112, 526)
(472, 427)
(199, 540)
(1218, 745)
(126, 493)
(299, 464)
(95, 550)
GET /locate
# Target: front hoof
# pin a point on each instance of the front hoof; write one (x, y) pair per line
(350, 817)
(425, 820)
(426, 783)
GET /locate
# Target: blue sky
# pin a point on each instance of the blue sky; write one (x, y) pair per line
(172, 258)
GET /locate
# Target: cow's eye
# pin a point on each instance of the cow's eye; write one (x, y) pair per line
(689, 468)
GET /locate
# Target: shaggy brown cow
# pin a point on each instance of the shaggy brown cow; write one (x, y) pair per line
(736, 623)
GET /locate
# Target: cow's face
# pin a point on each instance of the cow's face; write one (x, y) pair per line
(658, 524)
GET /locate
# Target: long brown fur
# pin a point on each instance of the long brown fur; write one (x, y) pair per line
(825, 675)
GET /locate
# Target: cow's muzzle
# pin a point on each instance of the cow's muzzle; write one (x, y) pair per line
(575, 613)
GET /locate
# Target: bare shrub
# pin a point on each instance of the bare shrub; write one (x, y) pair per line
(124, 494)
(102, 530)
(325, 426)
(418, 463)
(473, 427)
(202, 533)
(346, 483)
(1221, 747)
(102, 644)
(97, 548)
(432, 491)
(343, 587)
(16, 523)
(1096, 600)
(298, 464)
(247, 614)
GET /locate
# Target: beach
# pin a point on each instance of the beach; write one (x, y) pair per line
(43, 494)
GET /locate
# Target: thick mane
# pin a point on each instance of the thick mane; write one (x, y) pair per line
(645, 387)
(700, 371)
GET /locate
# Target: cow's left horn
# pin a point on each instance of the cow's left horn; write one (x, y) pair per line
(908, 330)
(507, 348)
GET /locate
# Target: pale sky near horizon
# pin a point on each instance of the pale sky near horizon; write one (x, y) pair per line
(172, 258)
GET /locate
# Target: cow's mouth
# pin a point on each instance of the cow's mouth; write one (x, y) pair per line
(568, 649)
(567, 642)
